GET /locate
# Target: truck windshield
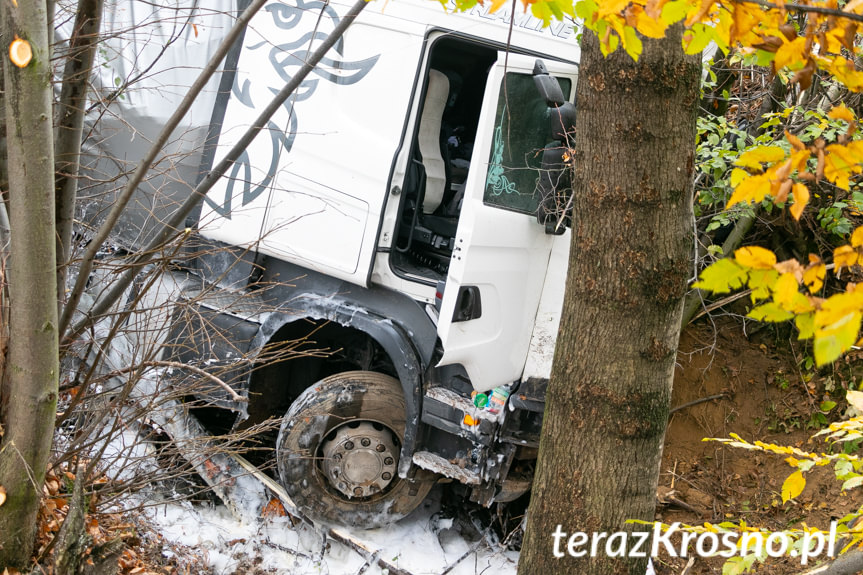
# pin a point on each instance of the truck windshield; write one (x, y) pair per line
(521, 132)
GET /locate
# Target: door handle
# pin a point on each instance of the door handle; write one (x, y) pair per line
(468, 304)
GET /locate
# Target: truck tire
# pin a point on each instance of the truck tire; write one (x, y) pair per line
(338, 452)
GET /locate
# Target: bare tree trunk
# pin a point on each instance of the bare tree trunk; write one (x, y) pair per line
(608, 398)
(28, 416)
(70, 125)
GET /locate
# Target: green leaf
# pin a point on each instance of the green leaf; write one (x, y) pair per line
(805, 322)
(843, 469)
(835, 339)
(764, 58)
(770, 312)
(760, 282)
(827, 405)
(632, 43)
(585, 9)
(674, 11)
(697, 38)
(734, 566)
(722, 277)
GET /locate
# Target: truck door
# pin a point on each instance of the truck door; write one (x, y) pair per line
(501, 253)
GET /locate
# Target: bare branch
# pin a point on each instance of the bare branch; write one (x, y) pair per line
(173, 225)
(805, 9)
(144, 166)
(188, 367)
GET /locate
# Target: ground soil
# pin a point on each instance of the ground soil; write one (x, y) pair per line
(768, 393)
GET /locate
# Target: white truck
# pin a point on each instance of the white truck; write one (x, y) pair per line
(389, 228)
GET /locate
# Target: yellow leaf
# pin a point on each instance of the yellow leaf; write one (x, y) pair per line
(755, 257)
(799, 158)
(697, 38)
(835, 339)
(796, 142)
(495, 5)
(745, 18)
(752, 189)
(845, 72)
(855, 398)
(650, 27)
(841, 112)
(839, 164)
(737, 176)
(611, 7)
(2, 495)
(790, 53)
(722, 276)
(785, 290)
(834, 38)
(754, 157)
(855, 6)
(806, 325)
(844, 257)
(793, 486)
(801, 198)
(760, 282)
(837, 307)
(813, 277)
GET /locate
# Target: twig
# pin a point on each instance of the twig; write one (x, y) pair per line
(696, 402)
(92, 250)
(806, 8)
(196, 370)
(464, 556)
(724, 301)
(174, 222)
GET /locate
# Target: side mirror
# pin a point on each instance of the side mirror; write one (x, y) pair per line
(554, 186)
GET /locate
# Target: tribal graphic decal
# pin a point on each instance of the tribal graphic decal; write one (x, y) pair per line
(285, 59)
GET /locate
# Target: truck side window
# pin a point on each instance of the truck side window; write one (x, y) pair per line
(521, 132)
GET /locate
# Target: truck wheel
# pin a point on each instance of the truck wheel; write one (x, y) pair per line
(338, 451)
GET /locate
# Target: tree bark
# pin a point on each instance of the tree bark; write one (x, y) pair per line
(608, 398)
(28, 415)
(70, 125)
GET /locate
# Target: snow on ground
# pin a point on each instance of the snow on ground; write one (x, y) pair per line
(421, 544)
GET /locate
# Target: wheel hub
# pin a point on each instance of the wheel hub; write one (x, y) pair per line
(360, 458)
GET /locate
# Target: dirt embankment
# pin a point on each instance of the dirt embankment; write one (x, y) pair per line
(763, 388)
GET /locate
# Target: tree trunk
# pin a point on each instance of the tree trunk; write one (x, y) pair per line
(608, 398)
(70, 125)
(28, 415)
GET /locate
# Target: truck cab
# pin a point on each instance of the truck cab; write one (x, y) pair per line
(387, 233)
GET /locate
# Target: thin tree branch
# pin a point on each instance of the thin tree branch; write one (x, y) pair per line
(70, 120)
(104, 231)
(196, 370)
(805, 9)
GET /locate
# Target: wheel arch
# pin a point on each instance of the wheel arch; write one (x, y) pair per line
(409, 351)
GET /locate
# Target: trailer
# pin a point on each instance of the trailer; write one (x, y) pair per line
(392, 229)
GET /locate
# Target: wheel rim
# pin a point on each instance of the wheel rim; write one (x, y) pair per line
(359, 459)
